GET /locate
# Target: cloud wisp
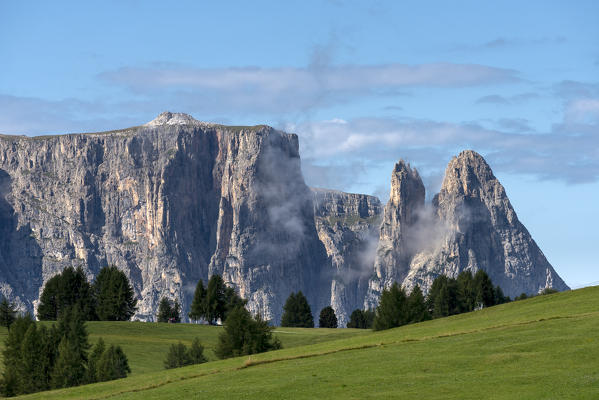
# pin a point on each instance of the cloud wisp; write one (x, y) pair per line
(289, 89)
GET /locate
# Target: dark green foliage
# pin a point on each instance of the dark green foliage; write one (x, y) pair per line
(549, 290)
(37, 358)
(361, 319)
(168, 312)
(115, 299)
(215, 301)
(12, 355)
(196, 352)
(198, 305)
(69, 369)
(65, 290)
(443, 297)
(499, 297)
(179, 355)
(327, 318)
(466, 296)
(245, 335)
(417, 311)
(7, 313)
(113, 364)
(392, 310)
(483, 289)
(94, 359)
(522, 296)
(297, 312)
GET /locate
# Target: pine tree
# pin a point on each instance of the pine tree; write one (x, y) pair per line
(297, 312)
(245, 335)
(113, 364)
(7, 313)
(12, 355)
(178, 356)
(65, 290)
(94, 359)
(356, 320)
(392, 309)
(442, 298)
(483, 289)
(466, 296)
(196, 352)
(327, 318)
(115, 298)
(417, 311)
(69, 369)
(32, 369)
(176, 312)
(164, 310)
(215, 300)
(198, 305)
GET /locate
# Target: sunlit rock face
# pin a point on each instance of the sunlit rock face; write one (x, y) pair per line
(177, 200)
(471, 225)
(169, 203)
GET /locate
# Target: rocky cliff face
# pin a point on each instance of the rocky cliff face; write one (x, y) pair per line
(471, 225)
(347, 225)
(177, 200)
(168, 203)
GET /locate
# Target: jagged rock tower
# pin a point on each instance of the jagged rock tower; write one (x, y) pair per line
(471, 226)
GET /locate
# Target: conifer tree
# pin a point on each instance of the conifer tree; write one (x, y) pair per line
(178, 356)
(327, 318)
(198, 305)
(196, 352)
(483, 289)
(113, 364)
(417, 311)
(69, 369)
(297, 312)
(466, 296)
(7, 313)
(94, 359)
(215, 300)
(115, 298)
(392, 310)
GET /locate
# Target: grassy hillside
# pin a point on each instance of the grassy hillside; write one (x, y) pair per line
(542, 348)
(146, 344)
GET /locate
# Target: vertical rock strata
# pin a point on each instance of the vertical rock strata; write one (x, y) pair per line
(168, 203)
(471, 226)
(347, 225)
(177, 200)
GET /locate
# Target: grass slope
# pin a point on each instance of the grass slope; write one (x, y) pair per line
(542, 348)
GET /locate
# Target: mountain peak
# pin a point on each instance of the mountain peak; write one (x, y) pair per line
(170, 118)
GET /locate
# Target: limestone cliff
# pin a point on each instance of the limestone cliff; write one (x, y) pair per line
(347, 225)
(471, 225)
(168, 203)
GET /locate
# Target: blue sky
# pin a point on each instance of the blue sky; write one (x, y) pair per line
(362, 83)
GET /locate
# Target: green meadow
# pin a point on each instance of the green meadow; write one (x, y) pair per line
(546, 347)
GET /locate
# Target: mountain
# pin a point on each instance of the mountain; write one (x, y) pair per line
(471, 225)
(169, 203)
(177, 200)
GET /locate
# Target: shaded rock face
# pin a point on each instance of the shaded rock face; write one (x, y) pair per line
(471, 225)
(395, 248)
(169, 203)
(347, 225)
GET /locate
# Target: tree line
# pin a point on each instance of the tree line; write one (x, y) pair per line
(109, 298)
(38, 358)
